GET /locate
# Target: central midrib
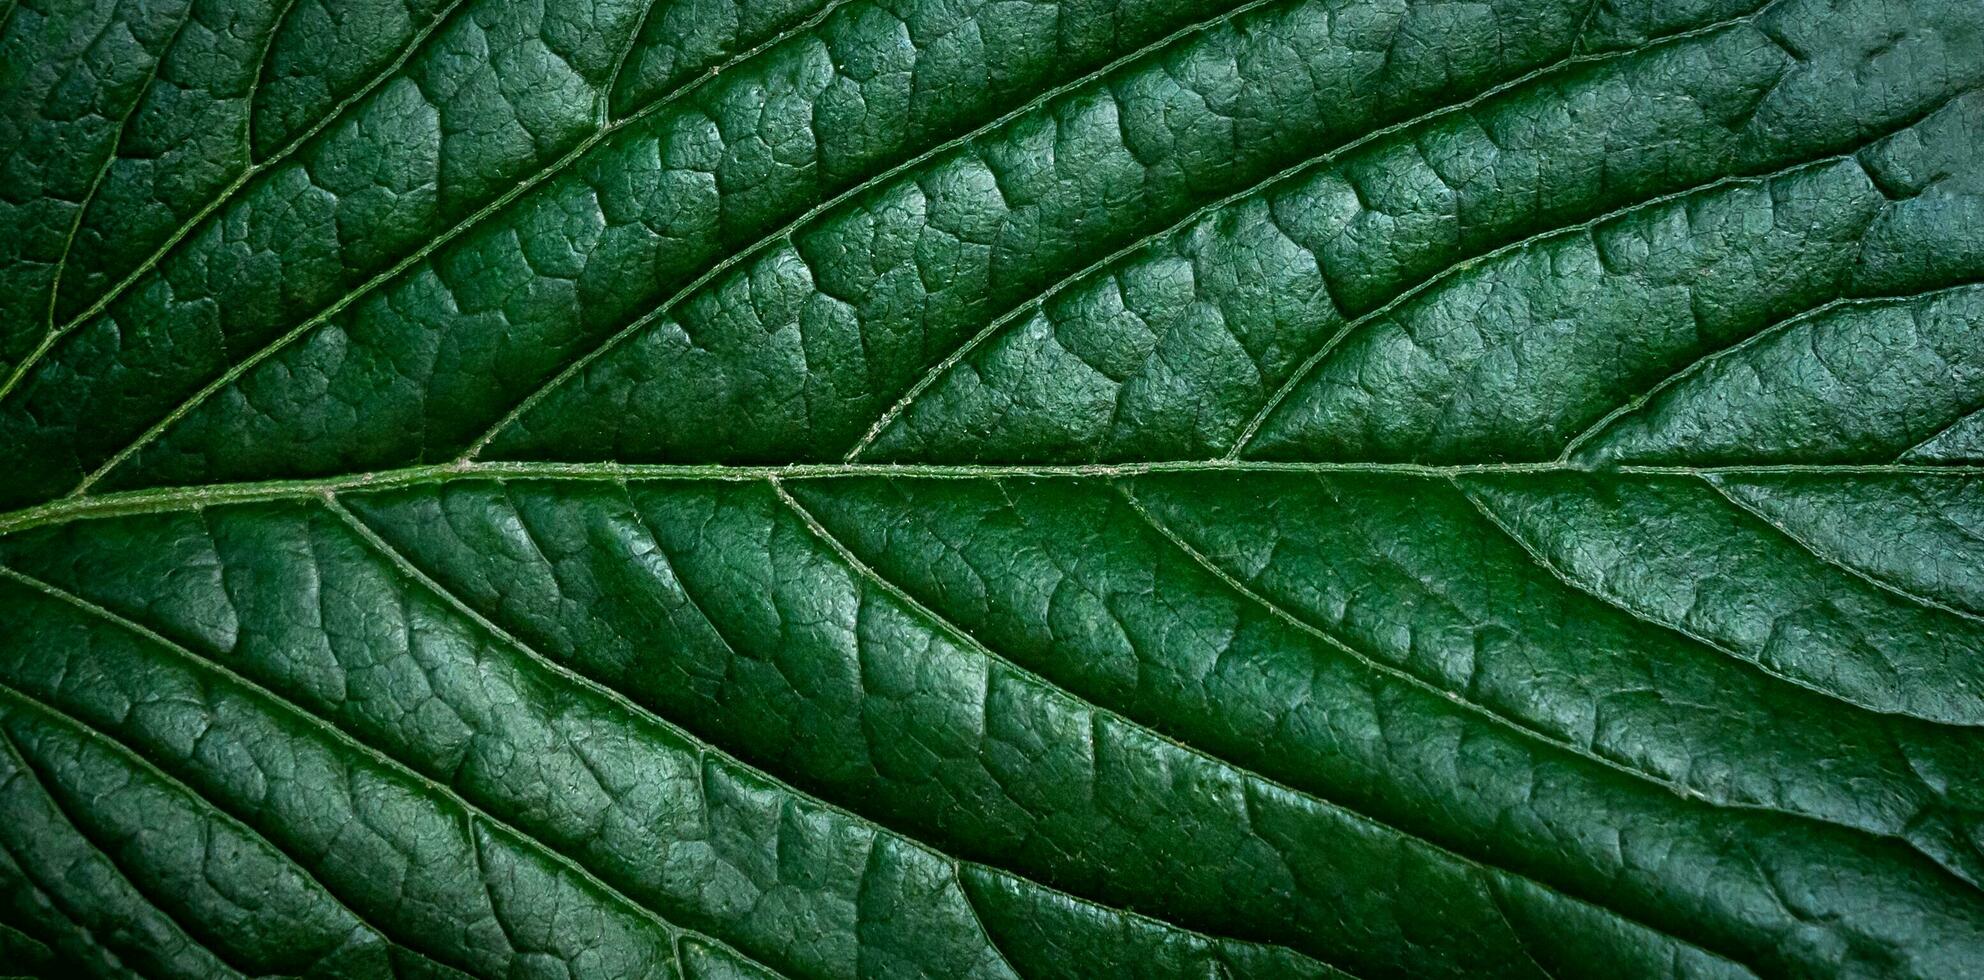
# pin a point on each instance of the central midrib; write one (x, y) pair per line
(163, 499)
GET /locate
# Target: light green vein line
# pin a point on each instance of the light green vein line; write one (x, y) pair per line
(177, 498)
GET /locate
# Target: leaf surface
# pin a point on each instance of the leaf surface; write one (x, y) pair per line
(1078, 488)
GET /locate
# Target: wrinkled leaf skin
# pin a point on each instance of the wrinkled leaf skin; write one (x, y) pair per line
(1016, 490)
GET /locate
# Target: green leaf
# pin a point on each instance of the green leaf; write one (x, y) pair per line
(940, 488)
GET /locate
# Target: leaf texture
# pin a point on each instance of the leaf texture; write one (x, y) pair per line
(1015, 489)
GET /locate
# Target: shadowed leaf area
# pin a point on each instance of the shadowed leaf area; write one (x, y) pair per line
(1016, 489)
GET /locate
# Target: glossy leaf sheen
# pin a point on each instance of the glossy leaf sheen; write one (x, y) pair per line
(941, 488)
